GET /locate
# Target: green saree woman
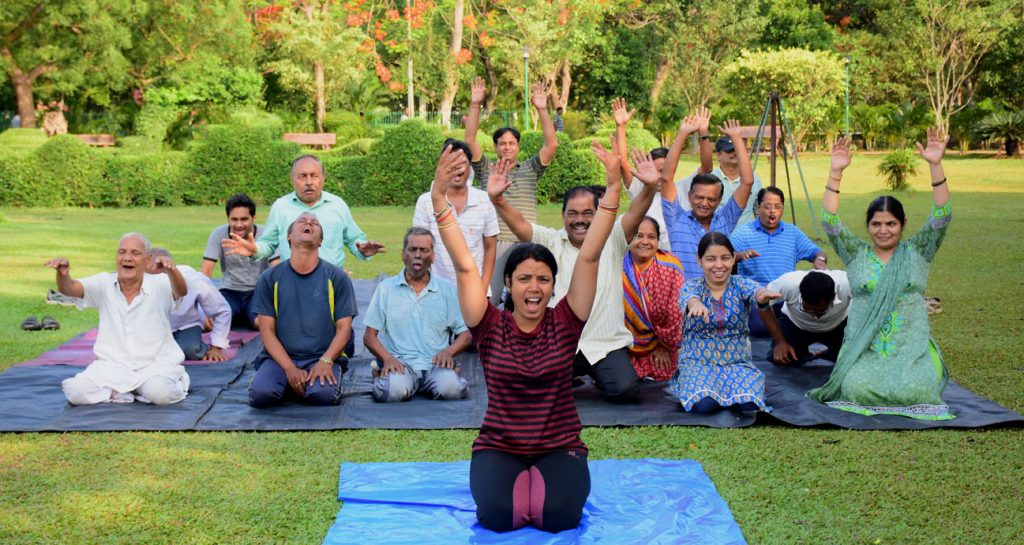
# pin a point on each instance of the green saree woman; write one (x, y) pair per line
(889, 364)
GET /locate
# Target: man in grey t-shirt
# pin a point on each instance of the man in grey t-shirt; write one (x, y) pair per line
(240, 273)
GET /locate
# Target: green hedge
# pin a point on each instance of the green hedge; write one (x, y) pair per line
(399, 167)
(569, 168)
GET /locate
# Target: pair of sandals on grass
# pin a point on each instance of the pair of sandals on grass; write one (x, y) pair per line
(34, 324)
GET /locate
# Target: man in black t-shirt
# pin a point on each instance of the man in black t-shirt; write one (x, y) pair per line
(305, 307)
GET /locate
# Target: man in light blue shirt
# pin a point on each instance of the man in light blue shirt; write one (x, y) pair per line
(409, 324)
(769, 247)
(339, 228)
(728, 172)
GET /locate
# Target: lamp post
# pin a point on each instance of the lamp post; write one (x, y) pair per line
(526, 87)
(847, 95)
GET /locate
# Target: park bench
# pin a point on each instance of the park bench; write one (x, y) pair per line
(323, 139)
(104, 140)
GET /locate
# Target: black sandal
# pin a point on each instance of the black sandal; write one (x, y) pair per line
(50, 323)
(31, 324)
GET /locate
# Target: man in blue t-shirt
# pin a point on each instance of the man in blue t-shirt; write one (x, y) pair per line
(305, 307)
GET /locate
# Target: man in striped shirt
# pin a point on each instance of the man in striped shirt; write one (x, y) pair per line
(522, 194)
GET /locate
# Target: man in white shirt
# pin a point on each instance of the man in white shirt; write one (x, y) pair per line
(814, 310)
(136, 356)
(202, 302)
(604, 344)
(476, 218)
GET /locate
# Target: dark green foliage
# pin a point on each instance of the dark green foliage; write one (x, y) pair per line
(345, 177)
(249, 157)
(21, 140)
(74, 171)
(399, 167)
(22, 182)
(1006, 126)
(151, 179)
(569, 168)
(896, 167)
(348, 126)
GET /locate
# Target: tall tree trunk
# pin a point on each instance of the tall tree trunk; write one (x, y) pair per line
(563, 100)
(23, 92)
(660, 76)
(321, 99)
(450, 66)
(492, 83)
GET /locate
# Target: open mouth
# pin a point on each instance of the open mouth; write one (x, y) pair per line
(532, 304)
(580, 229)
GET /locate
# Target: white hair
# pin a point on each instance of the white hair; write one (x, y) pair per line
(140, 236)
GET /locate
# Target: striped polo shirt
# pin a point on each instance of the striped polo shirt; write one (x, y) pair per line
(530, 404)
(780, 251)
(522, 194)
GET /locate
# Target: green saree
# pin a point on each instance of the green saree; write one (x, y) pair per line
(889, 364)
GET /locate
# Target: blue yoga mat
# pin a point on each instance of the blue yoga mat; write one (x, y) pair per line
(645, 501)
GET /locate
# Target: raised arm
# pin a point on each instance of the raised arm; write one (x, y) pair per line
(732, 129)
(648, 175)
(933, 153)
(497, 184)
(65, 284)
(842, 153)
(539, 98)
(704, 144)
(164, 264)
(690, 124)
(471, 287)
(477, 93)
(622, 116)
(583, 285)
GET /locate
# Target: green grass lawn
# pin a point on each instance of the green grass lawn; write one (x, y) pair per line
(783, 485)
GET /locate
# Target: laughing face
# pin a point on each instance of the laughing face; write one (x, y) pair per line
(885, 231)
(240, 221)
(645, 244)
(531, 286)
(507, 146)
(308, 180)
(769, 212)
(132, 259)
(717, 263)
(579, 212)
(704, 199)
(305, 230)
(418, 256)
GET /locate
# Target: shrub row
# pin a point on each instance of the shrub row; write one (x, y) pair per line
(248, 155)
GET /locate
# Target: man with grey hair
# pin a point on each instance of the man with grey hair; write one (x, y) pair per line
(409, 325)
(339, 228)
(305, 307)
(136, 356)
(202, 302)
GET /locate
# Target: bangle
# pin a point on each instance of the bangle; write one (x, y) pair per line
(601, 207)
(447, 206)
(444, 216)
(832, 189)
(938, 183)
(326, 360)
(447, 225)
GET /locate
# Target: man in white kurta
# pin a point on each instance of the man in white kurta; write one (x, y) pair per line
(137, 358)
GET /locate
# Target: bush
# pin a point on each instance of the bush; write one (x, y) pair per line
(345, 176)
(577, 124)
(152, 179)
(74, 171)
(348, 126)
(356, 148)
(21, 140)
(896, 166)
(21, 181)
(239, 158)
(569, 168)
(636, 136)
(400, 166)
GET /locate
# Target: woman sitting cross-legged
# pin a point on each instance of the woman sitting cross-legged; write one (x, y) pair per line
(529, 465)
(651, 280)
(715, 366)
(889, 363)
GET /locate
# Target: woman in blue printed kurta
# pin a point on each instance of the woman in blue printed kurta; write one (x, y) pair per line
(715, 368)
(889, 364)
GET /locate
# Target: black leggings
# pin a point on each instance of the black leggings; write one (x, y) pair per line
(546, 491)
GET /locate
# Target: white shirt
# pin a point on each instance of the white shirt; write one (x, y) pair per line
(789, 286)
(729, 187)
(634, 189)
(134, 341)
(202, 300)
(606, 329)
(478, 219)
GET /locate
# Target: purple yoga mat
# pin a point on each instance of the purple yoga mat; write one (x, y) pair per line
(78, 351)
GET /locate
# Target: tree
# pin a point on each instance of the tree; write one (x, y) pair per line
(316, 48)
(809, 82)
(794, 23)
(67, 46)
(1009, 126)
(948, 39)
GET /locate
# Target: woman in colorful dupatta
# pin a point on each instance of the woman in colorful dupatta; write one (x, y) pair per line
(889, 363)
(651, 280)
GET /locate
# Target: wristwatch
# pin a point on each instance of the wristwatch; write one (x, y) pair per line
(705, 138)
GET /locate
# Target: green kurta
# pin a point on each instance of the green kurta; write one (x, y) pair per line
(889, 364)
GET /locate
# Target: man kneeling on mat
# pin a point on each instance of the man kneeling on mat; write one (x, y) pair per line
(305, 307)
(136, 356)
(417, 314)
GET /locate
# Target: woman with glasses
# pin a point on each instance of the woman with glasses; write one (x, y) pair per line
(889, 363)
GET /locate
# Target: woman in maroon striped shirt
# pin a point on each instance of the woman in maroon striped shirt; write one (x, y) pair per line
(529, 464)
